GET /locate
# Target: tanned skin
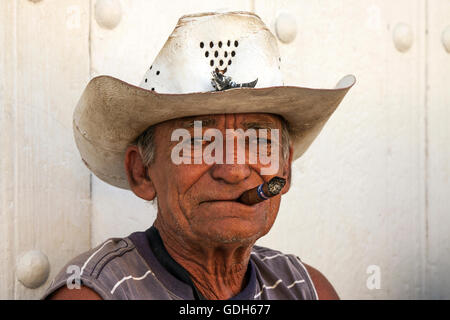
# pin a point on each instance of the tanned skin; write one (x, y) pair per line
(202, 226)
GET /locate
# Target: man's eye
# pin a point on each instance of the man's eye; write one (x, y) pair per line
(261, 141)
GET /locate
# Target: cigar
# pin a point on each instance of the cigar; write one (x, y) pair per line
(263, 191)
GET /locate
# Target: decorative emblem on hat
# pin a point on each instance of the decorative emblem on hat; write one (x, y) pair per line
(222, 82)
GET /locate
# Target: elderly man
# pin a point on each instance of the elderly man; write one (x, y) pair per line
(176, 139)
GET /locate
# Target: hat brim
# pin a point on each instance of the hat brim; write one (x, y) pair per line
(112, 113)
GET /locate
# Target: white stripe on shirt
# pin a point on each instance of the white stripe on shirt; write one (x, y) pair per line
(92, 255)
(270, 257)
(268, 287)
(294, 283)
(130, 277)
(309, 277)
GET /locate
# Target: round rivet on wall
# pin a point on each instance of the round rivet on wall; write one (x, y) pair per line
(33, 269)
(403, 37)
(108, 13)
(286, 27)
(446, 39)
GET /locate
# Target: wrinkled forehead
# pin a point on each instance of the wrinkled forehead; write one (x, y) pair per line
(235, 120)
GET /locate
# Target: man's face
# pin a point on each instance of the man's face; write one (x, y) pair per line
(198, 201)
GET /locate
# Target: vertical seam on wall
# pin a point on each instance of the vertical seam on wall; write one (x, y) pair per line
(90, 74)
(15, 146)
(89, 39)
(426, 157)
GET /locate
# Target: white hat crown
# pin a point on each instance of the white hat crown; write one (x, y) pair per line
(236, 44)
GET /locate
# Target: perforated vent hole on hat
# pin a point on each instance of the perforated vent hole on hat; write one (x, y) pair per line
(153, 89)
(221, 55)
(157, 73)
(145, 79)
(151, 67)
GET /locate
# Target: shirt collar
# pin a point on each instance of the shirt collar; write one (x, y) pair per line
(150, 246)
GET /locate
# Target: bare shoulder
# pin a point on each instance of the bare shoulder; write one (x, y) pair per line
(324, 289)
(84, 293)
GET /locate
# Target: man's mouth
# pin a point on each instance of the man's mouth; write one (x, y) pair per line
(221, 200)
(260, 193)
(236, 198)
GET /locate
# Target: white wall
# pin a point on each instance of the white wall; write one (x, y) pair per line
(373, 188)
(359, 191)
(44, 188)
(437, 153)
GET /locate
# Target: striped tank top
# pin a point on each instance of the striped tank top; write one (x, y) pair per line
(127, 268)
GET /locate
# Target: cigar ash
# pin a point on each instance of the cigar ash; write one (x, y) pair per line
(275, 185)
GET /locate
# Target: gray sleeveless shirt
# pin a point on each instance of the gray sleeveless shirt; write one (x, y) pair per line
(126, 268)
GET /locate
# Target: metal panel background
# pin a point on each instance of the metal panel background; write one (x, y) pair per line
(358, 192)
(438, 152)
(44, 188)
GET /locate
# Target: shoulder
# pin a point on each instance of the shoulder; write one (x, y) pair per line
(325, 290)
(290, 268)
(91, 274)
(84, 293)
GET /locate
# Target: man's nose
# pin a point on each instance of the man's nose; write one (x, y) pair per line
(230, 173)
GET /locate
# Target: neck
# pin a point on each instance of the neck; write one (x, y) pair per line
(217, 270)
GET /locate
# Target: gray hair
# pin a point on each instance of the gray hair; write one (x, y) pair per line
(147, 147)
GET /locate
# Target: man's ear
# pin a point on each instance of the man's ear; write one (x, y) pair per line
(137, 175)
(287, 170)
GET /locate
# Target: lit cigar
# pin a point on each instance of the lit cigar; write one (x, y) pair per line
(263, 191)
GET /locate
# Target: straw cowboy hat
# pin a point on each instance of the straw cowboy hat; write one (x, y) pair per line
(212, 63)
